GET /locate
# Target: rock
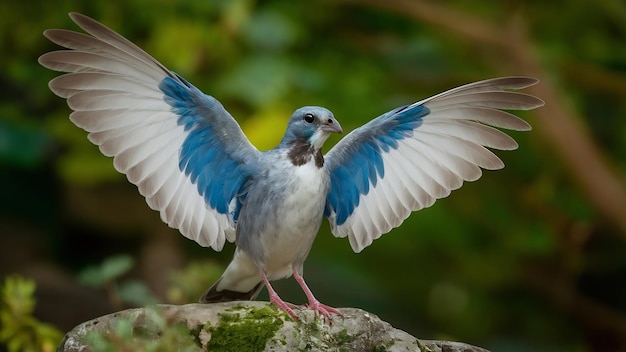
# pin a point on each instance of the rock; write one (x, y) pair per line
(243, 326)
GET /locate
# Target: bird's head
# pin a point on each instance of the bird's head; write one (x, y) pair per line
(312, 124)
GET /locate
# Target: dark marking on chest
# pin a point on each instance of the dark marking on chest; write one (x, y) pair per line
(300, 152)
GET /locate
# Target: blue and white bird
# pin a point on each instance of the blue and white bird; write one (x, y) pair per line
(191, 161)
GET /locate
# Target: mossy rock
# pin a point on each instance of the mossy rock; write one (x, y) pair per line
(243, 326)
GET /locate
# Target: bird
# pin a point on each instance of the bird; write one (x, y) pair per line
(193, 164)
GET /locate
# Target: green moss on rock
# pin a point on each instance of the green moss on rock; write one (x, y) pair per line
(245, 329)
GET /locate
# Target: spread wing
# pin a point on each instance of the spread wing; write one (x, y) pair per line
(407, 158)
(183, 150)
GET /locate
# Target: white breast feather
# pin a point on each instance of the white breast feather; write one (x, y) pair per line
(300, 215)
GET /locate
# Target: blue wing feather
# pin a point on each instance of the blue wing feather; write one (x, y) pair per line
(206, 148)
(358, 163)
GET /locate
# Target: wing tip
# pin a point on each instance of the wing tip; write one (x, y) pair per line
(79, 18)
(357, 247)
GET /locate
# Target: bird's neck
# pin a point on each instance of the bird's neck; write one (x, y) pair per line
(301, 152)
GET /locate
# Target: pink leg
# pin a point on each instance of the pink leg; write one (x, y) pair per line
(314, 304)
(275, 299)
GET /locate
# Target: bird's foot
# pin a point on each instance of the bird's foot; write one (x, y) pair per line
(323, 310)
(314, 304)
(285, 306)
(277, 301)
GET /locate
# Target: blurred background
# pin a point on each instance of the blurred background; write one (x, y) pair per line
(529, 258)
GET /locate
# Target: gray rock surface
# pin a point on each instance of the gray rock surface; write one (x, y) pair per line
(243, 326)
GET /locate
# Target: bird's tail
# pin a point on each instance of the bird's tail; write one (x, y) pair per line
(241, 281)
(213, 295)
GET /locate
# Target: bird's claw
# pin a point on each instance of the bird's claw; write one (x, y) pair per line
(285, 306)
(324, 310)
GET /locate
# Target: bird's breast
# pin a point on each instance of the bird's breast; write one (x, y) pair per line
(284, 211)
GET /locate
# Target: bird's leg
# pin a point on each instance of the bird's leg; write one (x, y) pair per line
(314, 304)
(276, 300)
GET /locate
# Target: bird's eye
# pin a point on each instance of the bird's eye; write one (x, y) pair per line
(309, 118)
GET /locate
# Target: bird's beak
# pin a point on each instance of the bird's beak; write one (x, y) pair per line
(331, 125)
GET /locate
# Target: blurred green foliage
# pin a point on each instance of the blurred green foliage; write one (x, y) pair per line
(491, 265)
(187, 285)
(19, 330)
(109, 270)
(129, 335)
(108, 275)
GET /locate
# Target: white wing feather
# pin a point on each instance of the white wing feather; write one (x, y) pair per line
(448, 148)
(113, 89)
